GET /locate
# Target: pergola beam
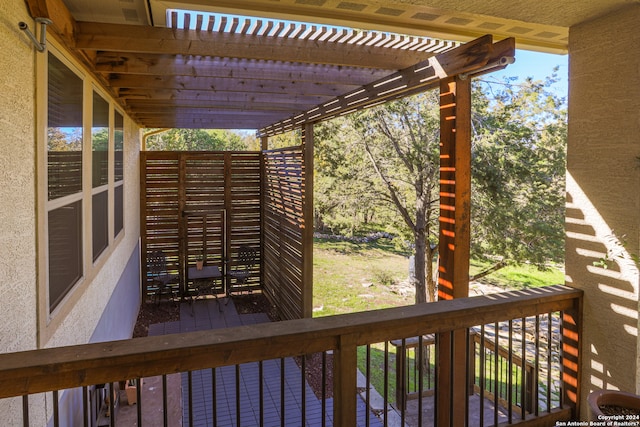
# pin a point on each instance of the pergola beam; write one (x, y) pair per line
(167, 41)
(477, 56)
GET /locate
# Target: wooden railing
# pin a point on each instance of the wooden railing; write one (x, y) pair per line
(51, 370)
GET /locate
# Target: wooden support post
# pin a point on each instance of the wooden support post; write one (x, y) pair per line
(183, 245)
(307, 218)
(455, 216)
(345, 365)
(571, 357)
(143, 227)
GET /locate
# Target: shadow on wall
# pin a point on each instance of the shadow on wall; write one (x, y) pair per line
(610, 312)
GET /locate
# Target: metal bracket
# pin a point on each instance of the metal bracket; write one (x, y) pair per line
(42, 43)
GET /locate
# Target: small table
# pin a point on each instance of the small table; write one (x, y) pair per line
(204, 279)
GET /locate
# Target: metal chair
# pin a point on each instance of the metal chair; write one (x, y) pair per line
(247, 258)
(157, 273)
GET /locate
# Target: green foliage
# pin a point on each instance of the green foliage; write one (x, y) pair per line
(519, 162)
(518, 170)
(199, 140)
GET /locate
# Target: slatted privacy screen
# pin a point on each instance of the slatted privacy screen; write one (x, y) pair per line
(283, 228)
(179, 188)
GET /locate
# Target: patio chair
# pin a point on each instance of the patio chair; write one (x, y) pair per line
(247, 258)
(161, 279)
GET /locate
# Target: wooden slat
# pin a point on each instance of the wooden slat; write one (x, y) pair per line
(166, 41)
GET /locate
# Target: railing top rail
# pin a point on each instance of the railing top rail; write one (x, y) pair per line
(67, 367)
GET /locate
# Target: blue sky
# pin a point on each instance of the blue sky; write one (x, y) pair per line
(537, 65)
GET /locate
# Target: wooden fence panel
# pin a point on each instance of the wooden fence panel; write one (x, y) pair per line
(283, 230)
(179, 188)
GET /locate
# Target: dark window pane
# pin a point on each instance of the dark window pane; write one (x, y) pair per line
(100, 141)
(118, 206)
(118, 146)
(64, 130)
(100, 215)
(65, 250)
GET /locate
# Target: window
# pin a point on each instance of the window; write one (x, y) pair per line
(118, 202)
(64, 179)
(100, 175)
(82, 188)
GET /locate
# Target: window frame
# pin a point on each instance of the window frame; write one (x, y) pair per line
(51, 319)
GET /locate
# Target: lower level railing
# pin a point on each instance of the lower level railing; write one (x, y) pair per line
(504, 358)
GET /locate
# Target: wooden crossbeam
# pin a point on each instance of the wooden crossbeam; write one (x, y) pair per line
(475, 56)
(166, 41)
(227, 85)
(179, 65)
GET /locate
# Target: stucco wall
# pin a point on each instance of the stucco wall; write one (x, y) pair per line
(18, 321)
(603, 197)
(112, 277)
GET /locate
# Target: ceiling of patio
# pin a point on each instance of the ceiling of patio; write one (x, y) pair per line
(248, 74)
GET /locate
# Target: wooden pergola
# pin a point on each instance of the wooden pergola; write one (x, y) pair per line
(276, 77)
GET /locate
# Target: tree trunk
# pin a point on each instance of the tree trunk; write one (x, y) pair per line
(430, 277)
(421, 246)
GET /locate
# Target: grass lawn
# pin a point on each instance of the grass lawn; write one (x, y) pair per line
(350, 277)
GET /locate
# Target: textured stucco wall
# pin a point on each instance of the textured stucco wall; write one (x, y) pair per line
(18, 225)
(603, 197)
(17, 192)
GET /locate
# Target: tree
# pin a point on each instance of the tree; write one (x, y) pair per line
(197, 140)
(519, 163)
(401, 140)
(390, 154)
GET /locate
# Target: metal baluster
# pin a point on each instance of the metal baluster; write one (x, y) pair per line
(282, 394)
(261, 391)
(303, 392)
(237, 372)
(324, 388)
(481, 378)
(510, 378)
(367, 391)
(496, 371)
(56, 410)
(190, 394)
(25, 410)
(420, 372)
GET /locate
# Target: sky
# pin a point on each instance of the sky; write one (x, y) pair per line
(537, 65)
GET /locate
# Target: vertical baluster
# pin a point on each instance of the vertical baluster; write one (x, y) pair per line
(261, 391)
(419, 359)
(303, 392)
(85, 406)
(481, 378)
(324, 388)
(237, 375)
(139, 400)
(190, 395)
(368, 392)
(496, 371)
(523, 367)
(385, 420)
(25, 410)
(536, 370)
(435, 379)
(282, 394)
(112, 406)
(56, 410)
(214, 397)
(165, 400)
(402, 359)
(549, 365)
(468, 380)
(510, 377)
